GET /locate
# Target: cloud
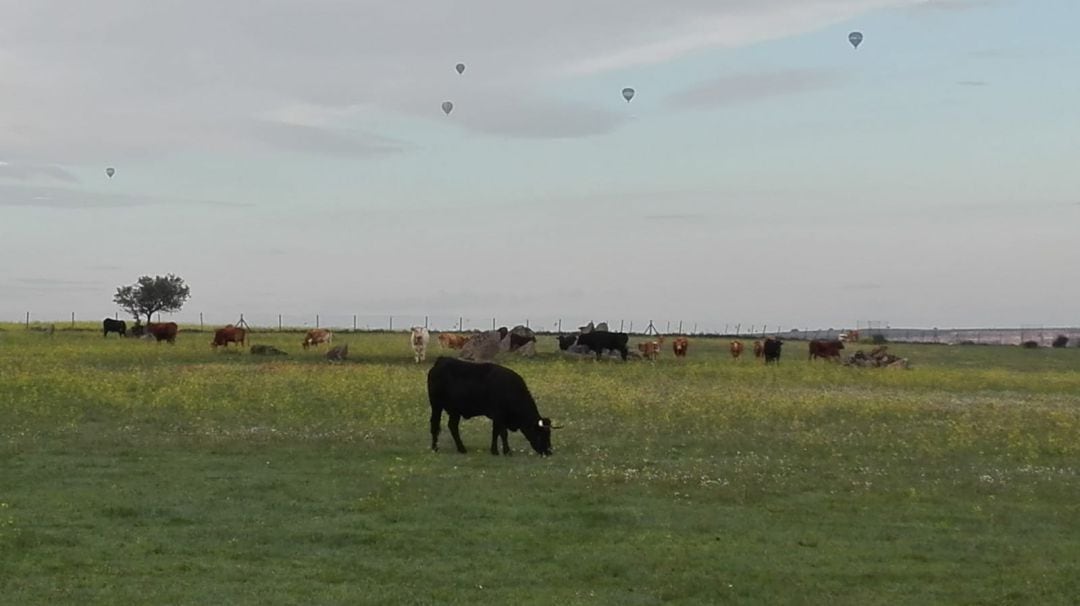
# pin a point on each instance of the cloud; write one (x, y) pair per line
(924, 6)
(518, 114)
(51, 285)
(72, 199)
(748, 88)
(318, 140)
(862, 286)
(153, 79)
(28, 172)
(677, 217)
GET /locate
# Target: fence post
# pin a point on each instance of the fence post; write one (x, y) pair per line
(354, 322)
(201, 322)
(426, 322)
(28, 320)
(316, 320)
(73, 319)
(738, 329)
(668, 329)
(560, 326)
(680, 327)
(391, 323)
(631, 331)
(279, 322)
(764, 329)
(621, 326)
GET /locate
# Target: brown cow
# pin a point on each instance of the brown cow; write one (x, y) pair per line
(649, 349)
(829, 350)
(316, 336)
(229, 334)
(759, 349)
(163, 331)
(450, 340)
(680, 345)
(736, 349)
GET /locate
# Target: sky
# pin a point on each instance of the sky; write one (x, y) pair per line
(292, 157)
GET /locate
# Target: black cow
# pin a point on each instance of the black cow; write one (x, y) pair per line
(566, 341)
(599, 341)
(771, 348)
(470, 389)
(118, 326)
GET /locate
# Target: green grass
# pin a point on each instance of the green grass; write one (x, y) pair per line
(138, 473)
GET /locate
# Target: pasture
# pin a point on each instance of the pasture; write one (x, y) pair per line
(135, 472)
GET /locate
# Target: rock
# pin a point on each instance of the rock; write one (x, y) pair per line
(338, 353)
(521, 340)
(266, 350)
(485, 346)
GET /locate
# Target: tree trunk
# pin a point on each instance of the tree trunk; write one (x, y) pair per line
(149, 317)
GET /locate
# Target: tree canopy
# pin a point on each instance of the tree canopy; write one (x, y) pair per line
(149, 296)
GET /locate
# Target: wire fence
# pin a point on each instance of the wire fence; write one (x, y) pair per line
(867, 330)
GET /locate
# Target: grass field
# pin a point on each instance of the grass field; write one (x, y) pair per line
(138, 473)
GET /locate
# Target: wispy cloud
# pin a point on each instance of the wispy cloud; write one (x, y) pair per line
(748, 88)
(924, 6)
(324, 141)
(72, 199)
(677, 217)
(27, 172)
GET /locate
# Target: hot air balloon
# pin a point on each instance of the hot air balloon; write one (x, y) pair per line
(447, 107)
(110, 171)
(460, 68)
(628, 94)
(855, 38)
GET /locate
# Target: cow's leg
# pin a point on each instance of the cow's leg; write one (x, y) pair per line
(436, 421)
(496, 431)
(623, 352)
(506, 445)
(453, 425)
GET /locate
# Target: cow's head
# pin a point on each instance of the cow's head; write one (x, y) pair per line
(566, 341)
(539, 435)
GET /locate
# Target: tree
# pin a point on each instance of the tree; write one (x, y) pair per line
(149, 295)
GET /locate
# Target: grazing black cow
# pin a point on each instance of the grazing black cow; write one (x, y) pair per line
(118, 326)
(471, 389)
(771, 349)
(598, 341)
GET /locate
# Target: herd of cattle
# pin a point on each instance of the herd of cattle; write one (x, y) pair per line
(473, 385)
(484, 346)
